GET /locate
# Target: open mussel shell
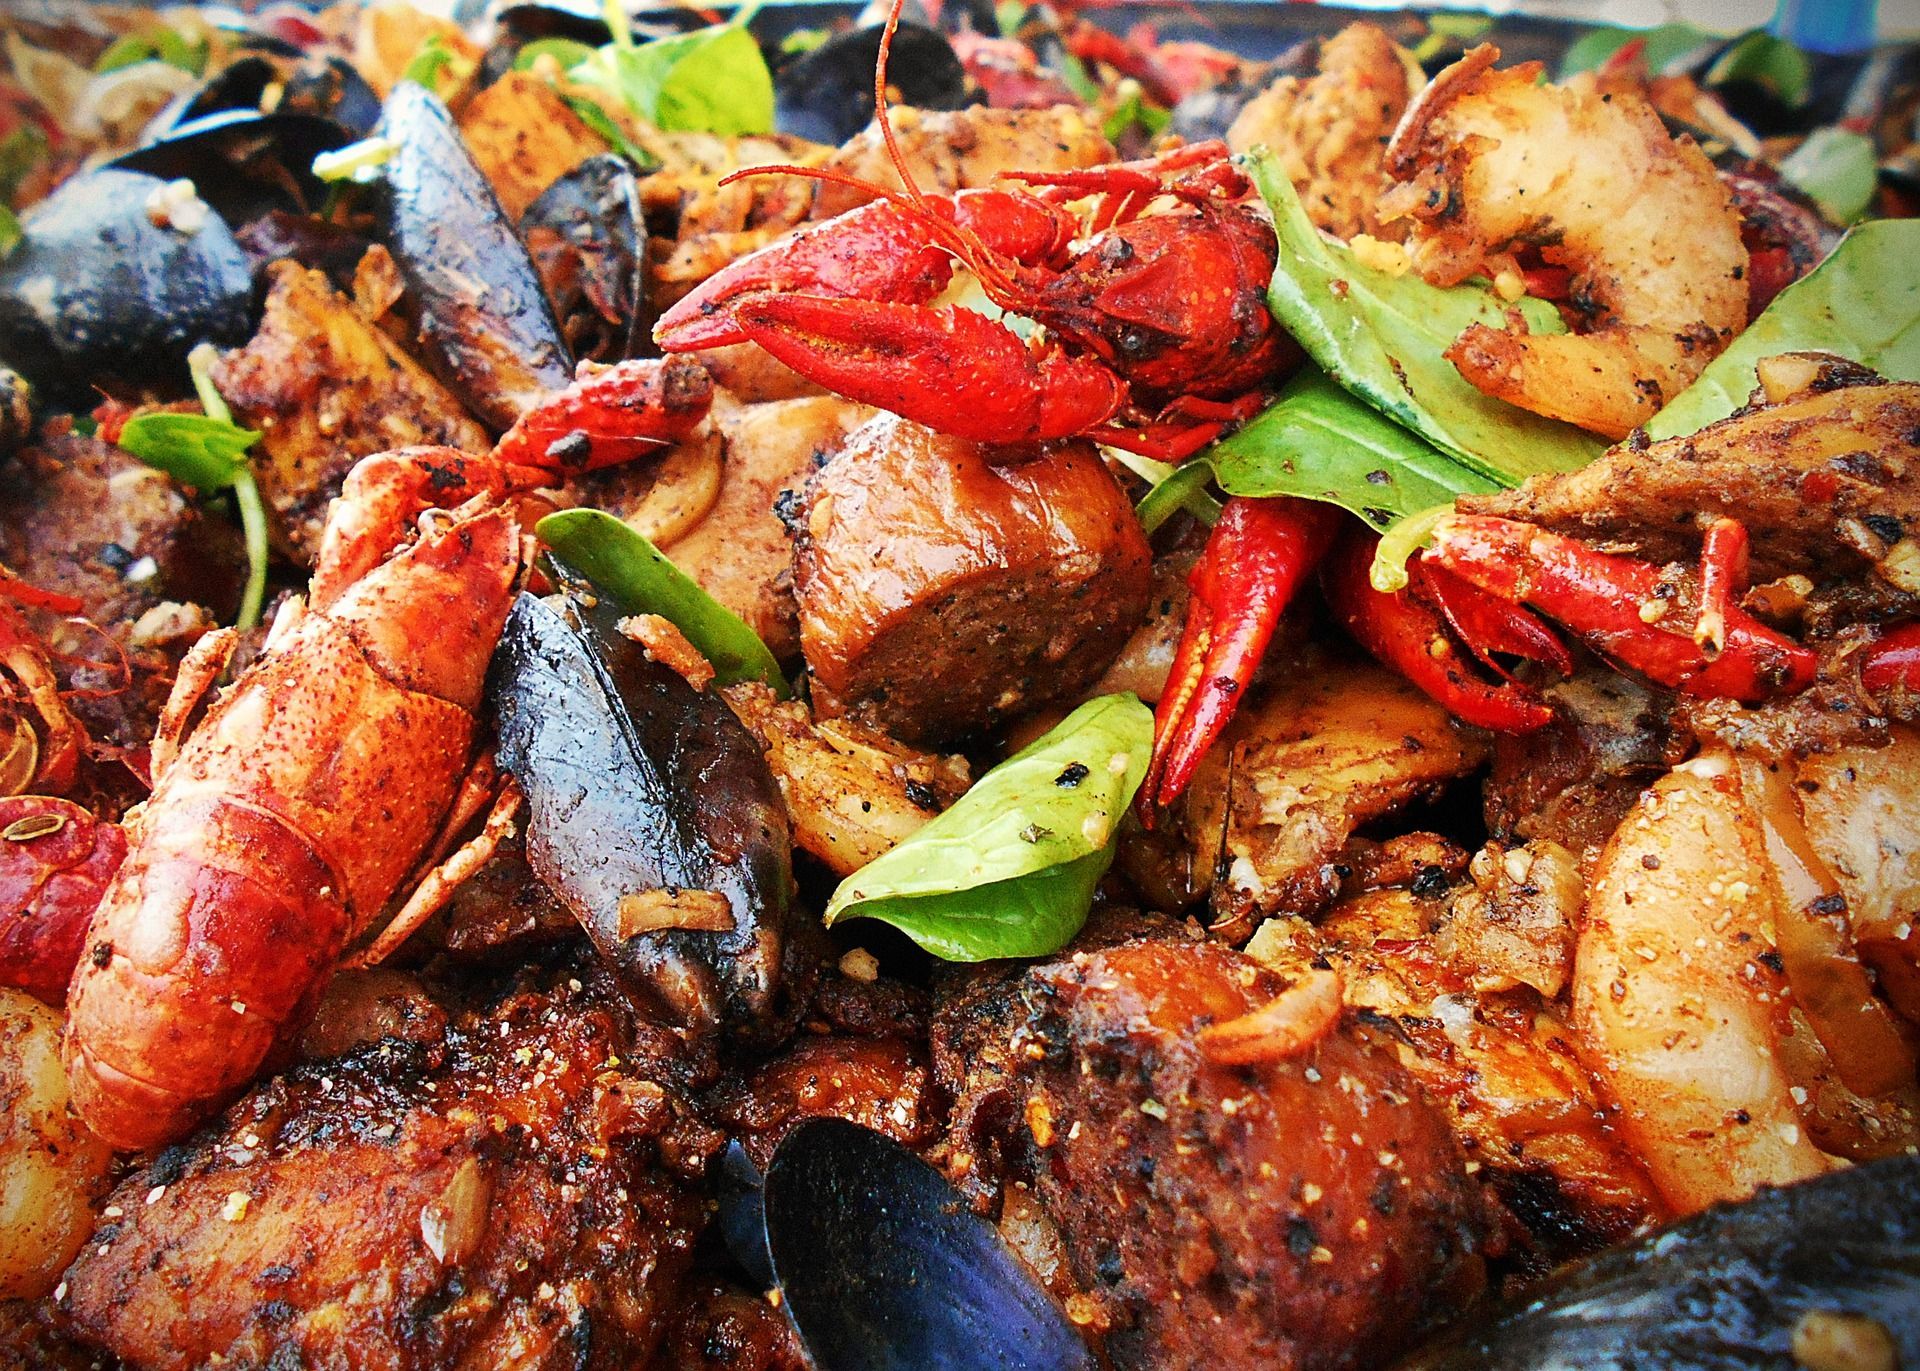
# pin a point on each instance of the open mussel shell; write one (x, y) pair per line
(485, 326)
(588, 241)
(244, 163)
(272, 79)
(1731, 1289)
(827, 94)
(883, 1266)
(98, 291)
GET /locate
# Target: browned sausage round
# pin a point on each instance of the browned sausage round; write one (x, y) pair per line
(1312, 1212)
(940, 593)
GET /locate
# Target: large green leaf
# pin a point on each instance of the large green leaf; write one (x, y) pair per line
(1010, 869)
(1863, 303)
(639, 578)
(1321, 443)
(1384, 337)
(1839, 169)
(713, 80)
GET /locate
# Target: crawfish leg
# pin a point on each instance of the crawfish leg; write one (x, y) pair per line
(192, 683)
(24, 657)
(438, 885)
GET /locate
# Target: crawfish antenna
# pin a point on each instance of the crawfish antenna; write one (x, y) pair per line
(880, 101)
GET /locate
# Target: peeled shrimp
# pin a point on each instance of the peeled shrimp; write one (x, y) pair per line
(51, 1168)
(1674, 1001)
(1718, 992)
(1489, 161)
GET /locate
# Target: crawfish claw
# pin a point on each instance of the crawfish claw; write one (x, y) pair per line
(1411, 637)
(1254, 561)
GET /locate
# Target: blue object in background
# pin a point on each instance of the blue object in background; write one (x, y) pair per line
(1826, 25)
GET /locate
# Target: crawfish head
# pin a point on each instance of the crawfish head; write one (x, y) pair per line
(1176, 303)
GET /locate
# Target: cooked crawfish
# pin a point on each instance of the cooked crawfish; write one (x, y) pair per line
(1157, 331)
(283, 824)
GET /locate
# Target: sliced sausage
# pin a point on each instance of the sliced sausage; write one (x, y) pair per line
(940, 593)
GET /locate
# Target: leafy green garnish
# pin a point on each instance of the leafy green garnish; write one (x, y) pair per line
(1133, 108)
(438, 67)
(1862, 303)
(20, 152)
(10, 232)
(1384, 337)
(713, 80)
(1765, 60)
(160, 43)
(803, 41)
(1174, 488)
(1459, 29)
(1319, 442)
(567, 52)
(1076, 77)
(1008, 16)
(640, 579)
(1010, 869)
(603, 124)
(1662, 46)
(209, 452)
(1839, 169)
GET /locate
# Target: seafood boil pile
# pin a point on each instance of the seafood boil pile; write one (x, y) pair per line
(1290, 682)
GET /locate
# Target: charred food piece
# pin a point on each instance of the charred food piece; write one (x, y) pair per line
(505, 1195)
(1309, 1211)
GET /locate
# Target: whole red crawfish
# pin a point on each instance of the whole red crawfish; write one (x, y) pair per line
(282, 825)
(1156, 331)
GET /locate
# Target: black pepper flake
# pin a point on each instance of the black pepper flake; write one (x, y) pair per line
(1771, 961)
(1650, 862)
(1382, 1197)
(1301, 1238)
(1430, 883)
(1833, 902)
(1072, 775)
(921, 795)
(116, 556)
(101, 955)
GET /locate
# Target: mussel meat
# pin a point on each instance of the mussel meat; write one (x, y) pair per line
(589, 244)
(485, 326)
(827, 94)
(117, 276)
(651, 814)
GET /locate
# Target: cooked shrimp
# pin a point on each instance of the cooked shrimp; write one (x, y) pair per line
(1329, 130)
(51, 1168)
(1676, 994)
(1490, 161)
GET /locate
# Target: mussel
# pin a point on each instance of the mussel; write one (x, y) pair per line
(117, 276)
(882, 1265)
(275, 78)
(1740, 1287)
(651, 815)
(827, 94)
(245, 164)
(485, 326)
(588, 241)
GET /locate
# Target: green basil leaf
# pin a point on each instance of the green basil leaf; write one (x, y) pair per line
(1319, 442)
(10, 232)
(1384, 337)
(713, 80)
(1839, 169)
(1762, 59)
(1862, 303)
(1008, 16)
(20, 152)
(1662, 46)
(433, 60)
(196, 449)
(1010, 869)
(1457, 29)
(624, 566)
(127, 51)
(162, 44)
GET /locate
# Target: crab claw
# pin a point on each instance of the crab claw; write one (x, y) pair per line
(1254, 561)
(951, 369)
(1408, 635)
(610, 414)
(1628, 609)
